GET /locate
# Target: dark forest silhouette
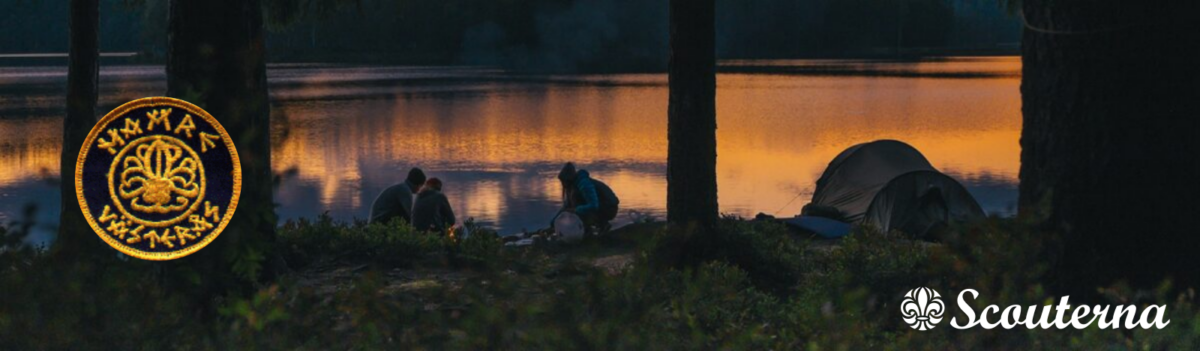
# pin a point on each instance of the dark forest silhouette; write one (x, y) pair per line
(1107, 166)
(1106, 144)
(563, 35)
(1110, 102)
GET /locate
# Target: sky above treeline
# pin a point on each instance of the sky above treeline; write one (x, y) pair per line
(550, 34)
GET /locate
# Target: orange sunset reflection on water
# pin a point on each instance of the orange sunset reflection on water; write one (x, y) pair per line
(497, 140)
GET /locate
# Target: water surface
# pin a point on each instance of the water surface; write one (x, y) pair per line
(343, 133)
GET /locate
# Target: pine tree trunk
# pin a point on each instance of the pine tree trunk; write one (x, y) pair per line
(1111, 96)
(216, 60)
(74, 235)
(691, 115)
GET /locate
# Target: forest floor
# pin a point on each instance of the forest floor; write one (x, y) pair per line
(748, 285)
(609, 256)
(333, 275)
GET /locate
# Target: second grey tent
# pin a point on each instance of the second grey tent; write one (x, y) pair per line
(890, 185)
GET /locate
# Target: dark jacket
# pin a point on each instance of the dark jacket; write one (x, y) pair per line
(394, 202)
(431, 211)
(589, 195)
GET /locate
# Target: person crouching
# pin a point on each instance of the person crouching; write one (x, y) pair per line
(592, 200)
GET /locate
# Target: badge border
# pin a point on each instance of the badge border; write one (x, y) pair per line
(154, 102)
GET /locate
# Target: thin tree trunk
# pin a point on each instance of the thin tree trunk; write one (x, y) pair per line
(216, 60)
(83, 70)
(1109, 145)
(692, 115)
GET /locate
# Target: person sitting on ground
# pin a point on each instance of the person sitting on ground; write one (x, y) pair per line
(397, 201)
(590, 199)
(431, 211)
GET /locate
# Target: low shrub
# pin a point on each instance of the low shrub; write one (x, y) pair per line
(747, 286)
(773, 259)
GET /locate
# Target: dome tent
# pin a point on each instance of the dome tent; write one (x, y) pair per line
(890, 185)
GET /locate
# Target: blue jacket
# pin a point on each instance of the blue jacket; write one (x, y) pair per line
(587, 189)
(594, 194)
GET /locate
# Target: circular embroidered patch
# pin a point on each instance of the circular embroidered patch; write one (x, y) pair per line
(158, 178)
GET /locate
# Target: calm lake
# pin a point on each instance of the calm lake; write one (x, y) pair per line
(343, 133)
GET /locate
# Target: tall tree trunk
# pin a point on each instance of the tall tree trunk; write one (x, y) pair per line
(1111, 98)
(692, 115)
(83, 71)
(216, 60)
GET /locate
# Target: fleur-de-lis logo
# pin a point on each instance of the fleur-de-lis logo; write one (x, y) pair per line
(922, 308)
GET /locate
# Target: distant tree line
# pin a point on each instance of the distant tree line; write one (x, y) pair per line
(41, 26)
(544, 34)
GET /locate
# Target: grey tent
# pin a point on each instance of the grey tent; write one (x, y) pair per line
(890, 185)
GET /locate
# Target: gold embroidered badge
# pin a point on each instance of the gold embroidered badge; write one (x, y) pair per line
(158, 178)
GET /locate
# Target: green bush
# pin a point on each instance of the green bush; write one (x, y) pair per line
(305, 242)
(746, 286)
(773, 259)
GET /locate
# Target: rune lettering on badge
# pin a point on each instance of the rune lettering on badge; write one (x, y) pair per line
(158, 178)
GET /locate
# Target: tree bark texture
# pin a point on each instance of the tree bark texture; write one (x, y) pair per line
(1111, 96)
(83, 72)
(691, 115)
(216, 60)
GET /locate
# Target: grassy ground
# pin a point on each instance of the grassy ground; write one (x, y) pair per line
(752, 286)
